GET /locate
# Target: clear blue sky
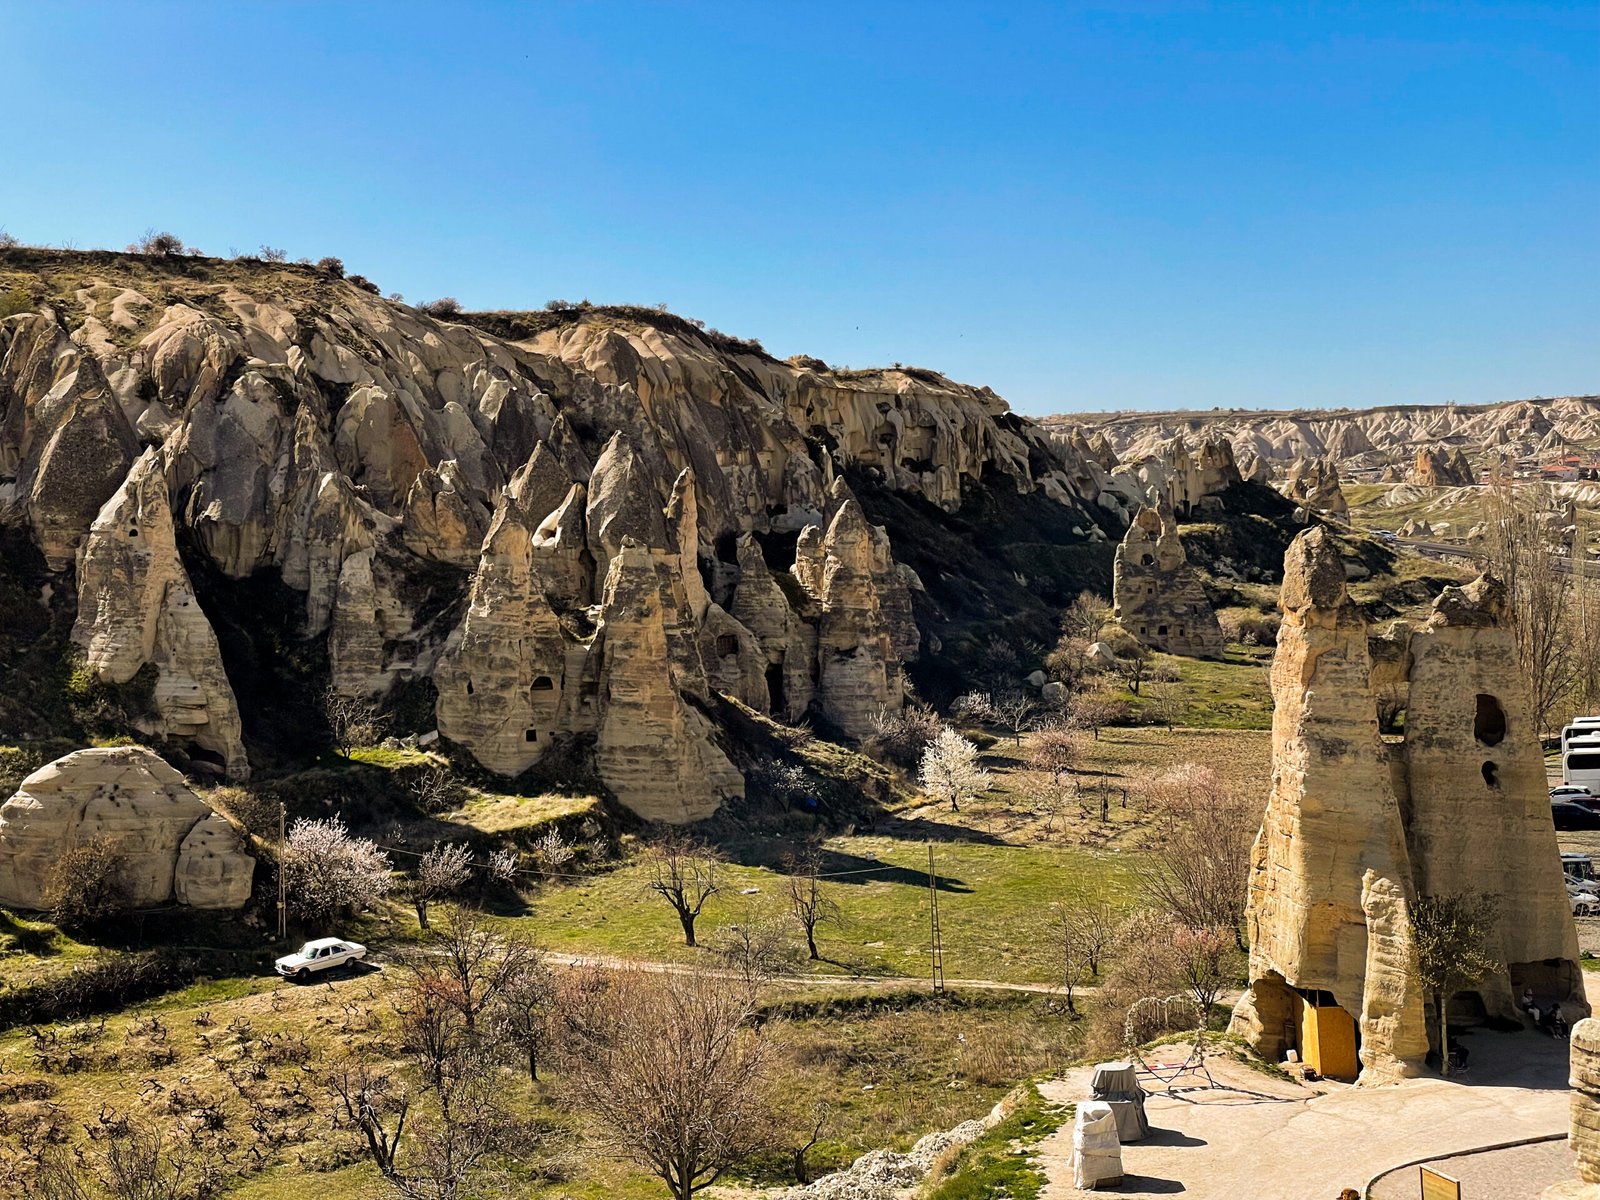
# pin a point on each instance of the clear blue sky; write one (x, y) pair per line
(1132, 205)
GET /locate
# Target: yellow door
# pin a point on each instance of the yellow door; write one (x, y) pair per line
(1328, 1041)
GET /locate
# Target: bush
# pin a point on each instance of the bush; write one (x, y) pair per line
(1248, 626)
(331, 266)
(901, 737)
(85, 886)
(365, 284)
(8, 241)
(272, 254)
(165, 244)
(106, 983)
(444, 306)
(17, 300)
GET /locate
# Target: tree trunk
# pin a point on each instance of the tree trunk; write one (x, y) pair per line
(533, 1065)
(1444, 1034)
(811, 946)
(686, 919)
(422, 913)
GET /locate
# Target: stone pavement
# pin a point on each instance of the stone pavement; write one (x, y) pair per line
(1292, 1143)
(1516, 1173)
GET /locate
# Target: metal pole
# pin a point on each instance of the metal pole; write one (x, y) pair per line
(935, 939)
(283, 908)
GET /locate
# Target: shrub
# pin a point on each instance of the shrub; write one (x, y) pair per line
(901, 736)
(165, 244)
(272, 254)
(331, 266)
(8, 241)
(85, 886)
(444, 306)
(17, 300)
(1248, 626)
(365, 284)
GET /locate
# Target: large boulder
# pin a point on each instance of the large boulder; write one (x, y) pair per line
(174, 846)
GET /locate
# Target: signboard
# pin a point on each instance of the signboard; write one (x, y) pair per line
(1439, 1187)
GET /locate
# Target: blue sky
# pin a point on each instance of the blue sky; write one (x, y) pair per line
(1085, 207)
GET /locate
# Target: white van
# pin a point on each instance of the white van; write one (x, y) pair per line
(1578, 870)
(1580, 727)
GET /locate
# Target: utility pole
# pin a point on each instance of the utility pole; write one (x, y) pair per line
(935, 941)
(283, 896)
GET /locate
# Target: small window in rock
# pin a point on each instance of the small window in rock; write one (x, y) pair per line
(133, 533)
(530, 735)
(543, 684)
(727, 644)
(1491, 774)
(1147, 560)
(469, 687)
(1161, 630)
(1489, 723)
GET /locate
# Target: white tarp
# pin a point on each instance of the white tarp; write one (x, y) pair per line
(1096, 1149)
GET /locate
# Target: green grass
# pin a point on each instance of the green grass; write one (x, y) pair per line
(1000, 1163)
(1228, 694)
(389, 760)
(501, 813)
(993, 903)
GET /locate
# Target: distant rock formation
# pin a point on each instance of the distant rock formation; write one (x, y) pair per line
(173, 846)
(1355, 829)
(1436, 468)
(1314, 483)
(1159, 599)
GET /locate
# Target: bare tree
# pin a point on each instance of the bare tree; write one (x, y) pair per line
(1203, 833)
(673, 1079)
(437, 790)
(502, 866)
(816, 1121)
(809, 903)
(1204, 960)
(1083, 618)
(685, 874)
(443, 871)
(756, 946)
(1056, 748)
(524, 1008)
(130, 1160)
(1133, 664)
(973, 708)
(1521, 548)
(468, 963)
(327, 871)
(552, 852)
(352, 721)
(1450, 937)
(1094, 709)
(950, 771)
(1014, 711)
(86, 884)
(369, 1101)
(1071, 961)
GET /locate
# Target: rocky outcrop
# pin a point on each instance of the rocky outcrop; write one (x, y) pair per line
(1355, 829)
(172, 846)
(1158, 595)
(1314, 484)
(1436, 468)
(136, 606)
(1584, 1136)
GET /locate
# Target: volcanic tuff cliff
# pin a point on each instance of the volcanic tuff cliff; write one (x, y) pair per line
(569, 529)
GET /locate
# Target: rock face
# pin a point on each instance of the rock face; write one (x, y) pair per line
(1314, 483)
(1436, 468)
(136, 606)
(1158, 595)
(1354, 828)
(1585, 1082)
(173, 845)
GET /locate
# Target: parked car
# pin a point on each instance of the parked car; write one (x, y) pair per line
(1568, 815)
(1584, 904)
(1567, 791)
(321, 954)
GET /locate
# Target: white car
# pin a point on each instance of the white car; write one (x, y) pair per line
(1567, 790)
(323, 954)
(1584, 904)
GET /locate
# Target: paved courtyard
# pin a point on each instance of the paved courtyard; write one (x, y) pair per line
(1271, 1138)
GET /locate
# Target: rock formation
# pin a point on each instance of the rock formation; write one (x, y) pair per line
(172, 845)
(1585, 1082)
(1158, 595)
(136, 606)
(1354, 828)
(1435, 468)
(1314, 483)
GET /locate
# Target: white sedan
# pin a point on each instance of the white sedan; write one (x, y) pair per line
(1584, 904)
(323, 954)
(1567, 791)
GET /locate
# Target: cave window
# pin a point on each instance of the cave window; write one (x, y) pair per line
(1489, 722)
(530, 735)
(1491, 774)
(1180, 630)
(543, 684)
(1147, 560)
(727, 644)
(133, 533)
(1144, 630)
(1161, 631)
(469, 687)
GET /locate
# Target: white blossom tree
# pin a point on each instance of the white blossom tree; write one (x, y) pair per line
(950, 770)
(443, 871)
(327, 871)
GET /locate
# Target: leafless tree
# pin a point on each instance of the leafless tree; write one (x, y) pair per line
(1056, 748)
(1094, 709)
(1164, 701)
(469, 963)
(502, 865)
(132, 1160)
(1133, 664)
(685, 874)
(1203, 833)
(811, 1129)
(1204, 960)
(809, 903)
(437, 790)
(369, 1101)
(1083, 618)
(1014, 712)
(524, 1008)
(86, 884)
(1070, 960)
(552, 852)
(664, 1064)
(1521, 549)
(443, 871)
(973, 708)
(756, 946)
(950, 770)
(352, 720)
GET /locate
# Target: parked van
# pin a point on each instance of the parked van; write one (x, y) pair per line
(1578, 869)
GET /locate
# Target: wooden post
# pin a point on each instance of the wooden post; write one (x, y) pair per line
(935, 941)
